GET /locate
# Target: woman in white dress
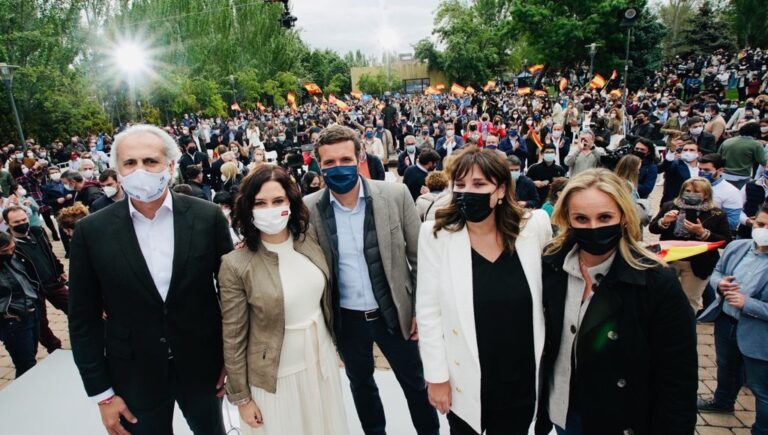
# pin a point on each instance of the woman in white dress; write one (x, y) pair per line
(281, 363)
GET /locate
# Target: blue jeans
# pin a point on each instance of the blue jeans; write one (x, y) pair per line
(757, 380)
(730, 364)
(355, 345)
(20, 338)
(572, 425)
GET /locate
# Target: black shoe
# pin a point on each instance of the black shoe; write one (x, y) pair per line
(709, 405)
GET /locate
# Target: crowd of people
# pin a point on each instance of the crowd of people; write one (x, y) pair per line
(524, 214)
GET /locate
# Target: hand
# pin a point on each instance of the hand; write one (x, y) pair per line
(69, 196)
(440, 396)
(538, 183)
(63, 277)
(414, 330)
(424, 190)
(60, 200)
(728, 284)
(221, 384)
(251, 414)
(110, 416)
(735, 299)
(522, 204)
(694, 228)
(407, 161)
(670, 216)
(27, 202)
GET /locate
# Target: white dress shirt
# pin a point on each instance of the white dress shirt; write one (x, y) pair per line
(156, 241)
(157, 247)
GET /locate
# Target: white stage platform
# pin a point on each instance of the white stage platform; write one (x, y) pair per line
(50, 399)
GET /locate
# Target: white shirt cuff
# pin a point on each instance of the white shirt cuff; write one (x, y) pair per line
(105, 395)
(670, 156)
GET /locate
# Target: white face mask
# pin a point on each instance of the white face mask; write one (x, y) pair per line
(683, 114)
(145, 186)
(87, 174)
(56, 176)
(271, 220)
(110, 191)
(760, 236)
(696, 131)
(556, 134)
(689, 156)
(763, 129)
(21, 192)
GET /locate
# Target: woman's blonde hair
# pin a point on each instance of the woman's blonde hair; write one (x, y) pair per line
(229, 170)
(630, 248)
(703, 186)
(628, 168)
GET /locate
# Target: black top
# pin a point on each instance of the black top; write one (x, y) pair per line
(504, 328)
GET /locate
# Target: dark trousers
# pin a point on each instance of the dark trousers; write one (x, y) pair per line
(355, 345)
(59, 298)
(730, 364)
(202, 411)
(19, 336)
(509, 421)
(757, 380)
(572, 425)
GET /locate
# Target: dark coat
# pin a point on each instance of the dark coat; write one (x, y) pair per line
(675, 174)
(89, 193)
(200, 158)
(401, 166)
(714, 220)
(636, 349)
(646, 182)
(375, 167)
(706, 142)
(414, 178)
(526, 191)
(109, 279)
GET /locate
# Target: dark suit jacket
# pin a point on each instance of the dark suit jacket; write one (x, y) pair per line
(401, 167)
(199, 158)
(675, 174)
(375, 167)
(636, 351)
(216, 174)
(108, 275)
(414, 178)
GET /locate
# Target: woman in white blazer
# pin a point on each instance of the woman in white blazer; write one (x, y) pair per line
(479, 305)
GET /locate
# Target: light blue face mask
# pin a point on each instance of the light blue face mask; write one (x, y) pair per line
(515, 174)
(549, 157)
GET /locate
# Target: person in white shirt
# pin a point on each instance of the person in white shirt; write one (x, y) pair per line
(725, 195)
(372, 144)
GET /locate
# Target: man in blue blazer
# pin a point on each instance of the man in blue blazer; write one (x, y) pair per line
(448, 144)
(678, 166)
(740, 313)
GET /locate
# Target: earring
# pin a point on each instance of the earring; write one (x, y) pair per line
(500, 201)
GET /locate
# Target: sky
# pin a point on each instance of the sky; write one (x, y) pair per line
(348, 25)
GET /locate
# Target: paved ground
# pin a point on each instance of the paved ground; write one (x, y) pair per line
(708, 424)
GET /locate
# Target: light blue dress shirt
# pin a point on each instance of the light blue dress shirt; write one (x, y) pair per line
(748, 273)
(355, 289)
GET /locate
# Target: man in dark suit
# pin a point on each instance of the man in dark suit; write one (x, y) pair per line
(194, 156)
(678, 166)
(195, 182)
(409, 156)
(372, 166)
(146, 330)
(415, 175)
(215, 178)
(706, 141)
(369, 232)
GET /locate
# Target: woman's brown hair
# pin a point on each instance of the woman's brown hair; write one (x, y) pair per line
(242, 216)
(509, 214)
(68, 216)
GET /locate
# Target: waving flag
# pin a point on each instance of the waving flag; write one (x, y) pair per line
(540, 93)
(598, 82)
(456, 89)
(535, 69)
(615, 93)
(614, 74)
(491, 84)
(431, 91)
(470, 90)
(536, 138)
(357, 94)
(525, 90)
(674, 250)
(440, 87)
(312, 88)
(235, 107)
(563, 84)
(340, 104)
(291, 99)
(260, 107)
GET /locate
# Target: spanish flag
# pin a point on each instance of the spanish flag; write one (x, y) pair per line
(357, 94)
(563, 84)
(291, 99)
(470, 90)
(536, 138)
(674, 250)
(489, 85)
(456, 89)
(535, 69)
(440, 87)
(431, 91)
(340, 104)
(540, 93)
(525, 90)
(260, 106)
(312, 88)
(598, 82)
(614, 74)
(235, 107)
(615, 93)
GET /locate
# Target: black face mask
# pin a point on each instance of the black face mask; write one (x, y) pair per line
(473, 207)
(192, 150)
(639, 154)
(22, 228)
(598, 241)
(312, 189)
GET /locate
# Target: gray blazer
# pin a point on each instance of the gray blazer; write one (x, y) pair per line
(752, 333)
(397, 228)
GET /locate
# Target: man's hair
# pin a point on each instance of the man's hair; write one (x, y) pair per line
(713, 107)
(5, 240)
(714, 158)
(72, 176)
(428, 156)
(171, 150)
(694, 120)
(335, 134)
(183, 189)
(10, 210)
(107, 174)
(750, 129)
(513, 160)
(549, 147)
(192, 171)
(646, 143)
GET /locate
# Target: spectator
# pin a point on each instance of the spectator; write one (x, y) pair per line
(556, 187)
(707, 142)
(195, 184)
(742, 154)
(724, 195)
(415, 175)
(584, 155)
(437, 183)
(544, 172)
(113, 191)
(85, 191)
(678, 166)
(409, 156)
(645, 150)
(526, 194)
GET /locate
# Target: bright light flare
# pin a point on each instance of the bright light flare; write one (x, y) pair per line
(131, 58)
(388, 38)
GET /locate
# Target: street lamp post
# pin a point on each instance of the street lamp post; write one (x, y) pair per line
(7, 72)
(234, 92)
(592, 52)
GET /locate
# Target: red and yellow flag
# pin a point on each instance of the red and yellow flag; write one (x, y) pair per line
(291, 99)
(614, 74)
(340, 104)
(598, 82)
(357, 94)
(536, 138)
(489, 85)
(540, 93)
(312, 88)
(440, 87)
(470, 90)
(535, 69)
(235, 107)
(563, 84)
(525, 90)
(456, 89)
(615, 93)
(674, 250)
(431, 91)
(260, 106)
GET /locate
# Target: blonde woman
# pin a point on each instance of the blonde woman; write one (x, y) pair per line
(692, 216)
(621, 339)
(479, 310)
(230, 177)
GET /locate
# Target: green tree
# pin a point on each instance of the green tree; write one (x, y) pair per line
(704, 33)
(338, 85)
(425, 51)
(675, 15)
(749, 21)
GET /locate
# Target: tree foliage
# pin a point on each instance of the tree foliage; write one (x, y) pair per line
(705, 32)
(749, 21)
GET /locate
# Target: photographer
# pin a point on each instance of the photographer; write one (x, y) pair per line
(584, 155)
